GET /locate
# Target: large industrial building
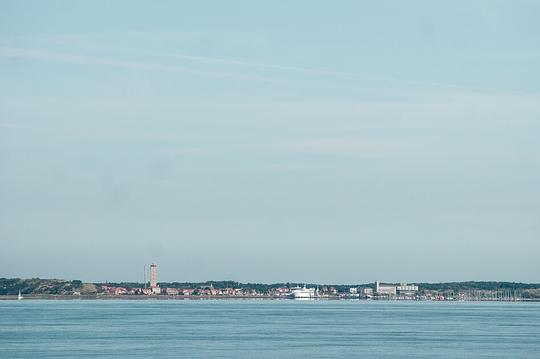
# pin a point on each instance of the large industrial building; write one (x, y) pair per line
(382, 289)
(390, 290)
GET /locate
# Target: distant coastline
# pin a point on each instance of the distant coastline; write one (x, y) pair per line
(131, 297)
(59, 289)
(54, 297)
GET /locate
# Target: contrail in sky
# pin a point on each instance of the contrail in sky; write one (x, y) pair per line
(92, 60)
(317, 71)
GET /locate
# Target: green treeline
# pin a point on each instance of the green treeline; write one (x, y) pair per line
(12, 286)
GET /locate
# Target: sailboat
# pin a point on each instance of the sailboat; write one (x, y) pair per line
(19, 297)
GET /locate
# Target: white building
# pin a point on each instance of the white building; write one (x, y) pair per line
(382, 289)
(407, 290)
(156, 290)
(403, 287)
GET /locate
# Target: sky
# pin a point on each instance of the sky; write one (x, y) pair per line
(305, 141)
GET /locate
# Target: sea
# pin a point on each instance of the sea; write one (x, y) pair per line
(268, 329)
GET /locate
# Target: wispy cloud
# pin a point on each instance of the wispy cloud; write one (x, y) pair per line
(15, 52)
(307, 70)
(336, 146)
(100, 61)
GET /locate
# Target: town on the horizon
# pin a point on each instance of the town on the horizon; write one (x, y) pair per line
(461, 291)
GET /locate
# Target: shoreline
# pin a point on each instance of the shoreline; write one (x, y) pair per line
(224, 297)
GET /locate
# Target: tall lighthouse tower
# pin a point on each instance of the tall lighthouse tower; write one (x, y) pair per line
(153, 276)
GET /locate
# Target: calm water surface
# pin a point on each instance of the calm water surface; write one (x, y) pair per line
(268, 329)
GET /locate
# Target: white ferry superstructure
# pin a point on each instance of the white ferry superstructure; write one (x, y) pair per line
(303, 293)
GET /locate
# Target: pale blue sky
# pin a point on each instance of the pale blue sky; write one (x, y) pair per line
(270, 141)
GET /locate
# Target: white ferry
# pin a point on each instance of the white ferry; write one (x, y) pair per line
(303, 293)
